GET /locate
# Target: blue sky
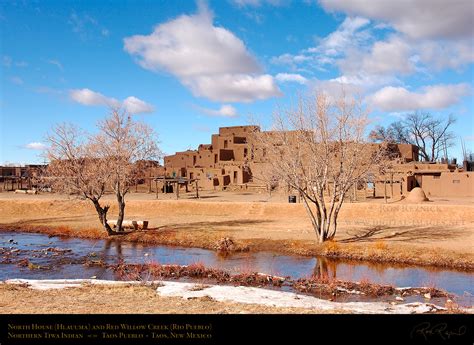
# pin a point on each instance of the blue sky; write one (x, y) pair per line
(188, 67)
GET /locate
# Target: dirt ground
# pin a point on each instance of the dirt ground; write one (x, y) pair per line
(121, 300)
(440, 232)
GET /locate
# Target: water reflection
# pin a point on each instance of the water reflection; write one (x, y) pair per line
(325, 269)
(113, 248)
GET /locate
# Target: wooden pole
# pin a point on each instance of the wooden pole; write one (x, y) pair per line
(149, 182)
(156, 187)
(385, 189)
(391, 185)
(177, 190)
(197, 189)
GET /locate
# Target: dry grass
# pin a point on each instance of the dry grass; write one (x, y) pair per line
(121, 300)
(380, 245)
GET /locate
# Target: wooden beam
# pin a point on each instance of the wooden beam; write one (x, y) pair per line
(391, 185)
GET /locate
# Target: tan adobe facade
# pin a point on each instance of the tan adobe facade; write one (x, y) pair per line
(230, 162)
(216, 165)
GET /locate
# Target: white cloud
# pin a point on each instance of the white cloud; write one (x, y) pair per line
(89, 97)
(16, 80)
(366, 82)
(351, 34)
(258, 3)
(131, 104)
(290, 60)
(191, 46)
(87, 27)
(417, 19)
(210, 60)
(384, 57)
(234, 87)
(225, 110)
(430, 97)
(134, 105)
(290, 77)
(6, 61)
(336, 89)
(56, 63)
(348, 34)
(446, 55)
(35, 146)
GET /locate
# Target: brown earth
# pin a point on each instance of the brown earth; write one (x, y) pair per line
(131, 299)
(438, 233)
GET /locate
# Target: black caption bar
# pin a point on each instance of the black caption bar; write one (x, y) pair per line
(221, 329)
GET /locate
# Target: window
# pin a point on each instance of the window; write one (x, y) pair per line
(215, 159)
(245, 152)
(225, 144)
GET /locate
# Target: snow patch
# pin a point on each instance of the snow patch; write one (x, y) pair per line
(47, 284)
(271, 298)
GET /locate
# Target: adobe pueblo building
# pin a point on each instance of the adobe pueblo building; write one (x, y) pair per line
(230, 162)
(220, 165)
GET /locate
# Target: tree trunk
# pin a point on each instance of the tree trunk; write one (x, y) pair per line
(121, 215)
(102, 213)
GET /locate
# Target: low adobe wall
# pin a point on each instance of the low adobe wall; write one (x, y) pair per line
(449, 184)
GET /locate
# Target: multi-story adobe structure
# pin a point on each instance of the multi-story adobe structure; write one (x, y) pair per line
(217, 165)
(231, 162)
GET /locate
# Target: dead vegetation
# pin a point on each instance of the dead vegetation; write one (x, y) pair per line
(317, 286)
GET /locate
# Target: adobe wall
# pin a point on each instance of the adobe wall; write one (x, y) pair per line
(449, 184)
(408, 152)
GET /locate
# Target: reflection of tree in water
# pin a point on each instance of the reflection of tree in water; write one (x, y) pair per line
(109, 252)
(325, 268)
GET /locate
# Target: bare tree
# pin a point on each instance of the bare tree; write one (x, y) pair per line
(319, 150)
(90, 165)
(395, 133)
(430, 134)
